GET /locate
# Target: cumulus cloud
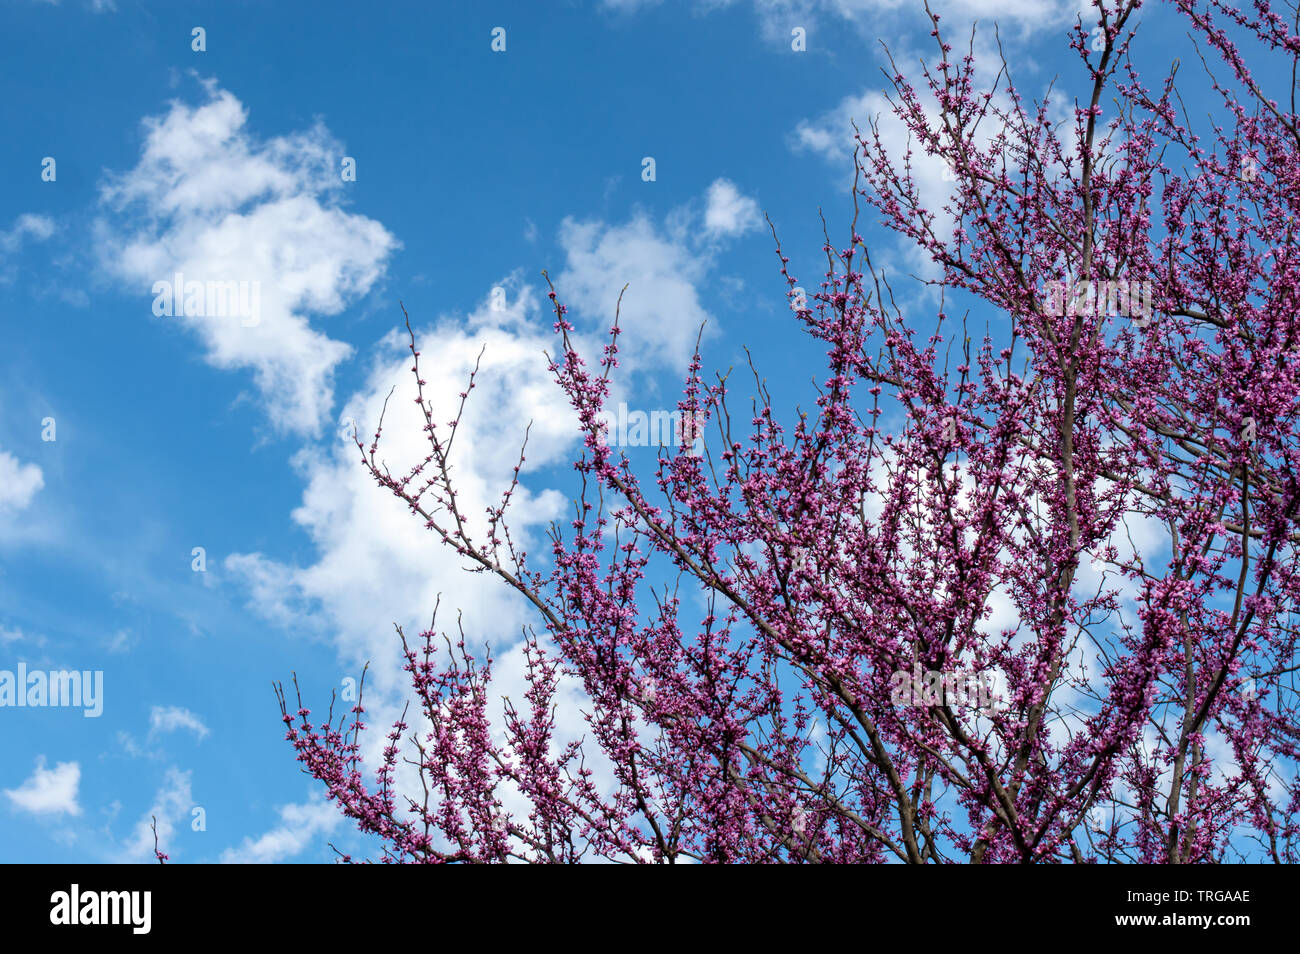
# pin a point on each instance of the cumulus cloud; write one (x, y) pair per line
(376, 565)
(299, 827)
(663, 265)
(172, 803)
(26, 228)
(174, 718)
(19, 482)
(49, 791)
(35, 227)
(661, 312)
(728, 212)
(776, 18)
(213, 202)
(832, 136)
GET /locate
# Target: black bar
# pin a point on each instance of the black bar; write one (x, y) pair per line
(334, 903)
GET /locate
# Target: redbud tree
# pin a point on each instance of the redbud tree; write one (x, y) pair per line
(957, 502)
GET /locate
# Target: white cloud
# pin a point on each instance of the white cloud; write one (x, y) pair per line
(173, 718)
(210, 200)
(121, 641)
(832, 136)
(661, 313)
(28, 226)
(173, 802)
(377, 565)
(18, 482)
(776, 18)
(272, 588)
(299, 826)
(49, 791)
(728, 212)
(133, 748)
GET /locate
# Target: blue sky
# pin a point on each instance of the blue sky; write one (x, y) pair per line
(475, 170)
